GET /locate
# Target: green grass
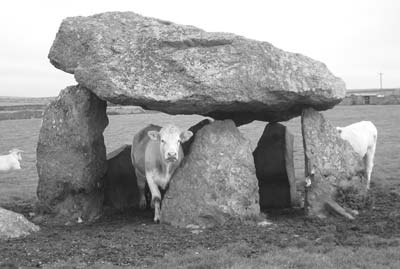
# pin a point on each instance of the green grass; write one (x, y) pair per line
(241, 256)
(237, 256)
(19, 185)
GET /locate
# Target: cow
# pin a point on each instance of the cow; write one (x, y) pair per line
(156, 153)
(362, 136)
(11, 161)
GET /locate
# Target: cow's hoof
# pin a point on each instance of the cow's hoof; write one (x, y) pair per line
(157, 221)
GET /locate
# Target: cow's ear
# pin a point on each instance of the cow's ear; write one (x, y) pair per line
(154, 135)
(185, 136)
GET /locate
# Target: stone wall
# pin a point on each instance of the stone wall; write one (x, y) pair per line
(371, 100)
(274, 164)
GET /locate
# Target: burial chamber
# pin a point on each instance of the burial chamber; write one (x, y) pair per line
(128, 59)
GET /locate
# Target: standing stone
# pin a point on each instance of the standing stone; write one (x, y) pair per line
(120, 182)
(336, 172)
(71, 155)
(126, 58)
(273, 158)
(216, 182)
(13, 225)
(194, 129)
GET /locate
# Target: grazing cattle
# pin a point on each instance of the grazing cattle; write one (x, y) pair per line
(362, 137)
(11, 161)
(156, 153)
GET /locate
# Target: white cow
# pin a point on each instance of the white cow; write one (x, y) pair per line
(11, 161)
(156, 153)
(362, 137)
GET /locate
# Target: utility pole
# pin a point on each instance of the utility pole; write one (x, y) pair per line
(380, 79)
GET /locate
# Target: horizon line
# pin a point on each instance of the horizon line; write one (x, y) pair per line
(349, 90)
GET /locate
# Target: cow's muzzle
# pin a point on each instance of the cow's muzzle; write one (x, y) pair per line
(172, 157)
(171, 160)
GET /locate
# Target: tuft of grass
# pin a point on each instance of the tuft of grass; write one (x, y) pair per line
(352, 198)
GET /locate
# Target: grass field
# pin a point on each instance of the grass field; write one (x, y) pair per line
(18, 190)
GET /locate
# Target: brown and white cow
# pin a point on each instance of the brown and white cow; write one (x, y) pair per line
(156, 153)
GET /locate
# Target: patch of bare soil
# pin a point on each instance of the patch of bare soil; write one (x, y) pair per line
(130, 238)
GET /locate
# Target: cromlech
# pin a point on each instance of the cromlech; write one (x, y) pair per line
(127, 59)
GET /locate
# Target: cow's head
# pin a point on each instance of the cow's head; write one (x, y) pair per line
(170, 138)
(17, 153)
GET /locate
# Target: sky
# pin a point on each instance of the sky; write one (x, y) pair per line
(356, 39)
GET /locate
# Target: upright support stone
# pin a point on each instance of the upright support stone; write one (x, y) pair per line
(273, 158)
(71, 155)
(120, 182)
(194, 129)
(216, 182)
(335, 171)
(289, 162)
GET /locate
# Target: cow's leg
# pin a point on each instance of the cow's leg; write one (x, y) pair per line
(369, 163)
(141, 183)
(155, 196)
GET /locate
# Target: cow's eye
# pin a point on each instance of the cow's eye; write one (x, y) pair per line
(163, 141)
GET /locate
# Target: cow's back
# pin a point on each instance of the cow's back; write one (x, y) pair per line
(9, 162)
(139, 145)
(361, 135)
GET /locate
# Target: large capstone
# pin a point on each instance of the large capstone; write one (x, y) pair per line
(13, 225)
(216, 182)
(71, 156)
(336, 172)
(273, 158)
(126, 58)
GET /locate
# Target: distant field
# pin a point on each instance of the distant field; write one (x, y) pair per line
(14, 101)
(23, 134)
(18, 108)
(12, 108)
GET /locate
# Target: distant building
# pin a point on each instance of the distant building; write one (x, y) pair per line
(372, 96)
(373, 92)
